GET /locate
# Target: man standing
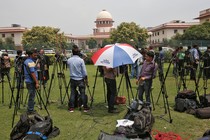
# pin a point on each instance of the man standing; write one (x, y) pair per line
(78, 78)
(44, 63)
(147, 74)
(161, 60)
(110, 75)
(31, 78)
(194, 56)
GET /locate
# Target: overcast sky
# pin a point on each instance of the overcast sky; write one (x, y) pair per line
(77, 16)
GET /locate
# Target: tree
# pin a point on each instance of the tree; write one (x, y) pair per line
(130, 33)
(92, 43)
(41, 36)
(9, 43)
(197, 32)
(1, 44)
(106, 42)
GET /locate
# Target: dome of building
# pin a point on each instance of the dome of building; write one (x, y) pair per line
(104, 14)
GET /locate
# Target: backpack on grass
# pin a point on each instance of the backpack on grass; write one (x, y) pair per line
(34, 127)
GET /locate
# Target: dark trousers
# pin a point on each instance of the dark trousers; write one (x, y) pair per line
(32, 92)
(193, 71)
(145, 87)
(111, 92)
(81, 85)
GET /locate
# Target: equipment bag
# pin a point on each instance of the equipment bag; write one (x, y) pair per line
(185, 104)
(205, 100)
(34, 127)
(141, 114)
(180, 104)
(203, 113)
(106, 136)
(20, 129)
(189, 94)
(120, 100)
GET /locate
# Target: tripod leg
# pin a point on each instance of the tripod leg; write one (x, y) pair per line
(153, 105)
(67, 94)
(16, 103)
(13, 87)
(66, 86)
(2, 86)
(91, 103)
(60, 86)
(41, 100)
(118, 89)
(52, 78)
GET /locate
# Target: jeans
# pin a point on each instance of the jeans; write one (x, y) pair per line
(145, 87)
(81, 85)
(32, 92)
(111, 92)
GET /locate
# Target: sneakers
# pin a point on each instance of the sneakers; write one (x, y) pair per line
(86, 109)
(71, 110)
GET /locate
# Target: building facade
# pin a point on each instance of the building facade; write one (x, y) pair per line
(15, 32)
(101, 31)
(163, 32)
(204, 16)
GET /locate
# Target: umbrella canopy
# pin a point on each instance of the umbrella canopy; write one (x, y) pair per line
(115, 55)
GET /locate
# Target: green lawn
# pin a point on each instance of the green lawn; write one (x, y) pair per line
(86, 126)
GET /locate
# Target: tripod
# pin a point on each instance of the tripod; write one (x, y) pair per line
(127, 81)
(18, 96)
(164, 92)
(61, 79)
(19, 78)
(5, 72)
(94, 85)
(181, 73)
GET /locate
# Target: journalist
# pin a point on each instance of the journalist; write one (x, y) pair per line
(31, 78)
(78, 78)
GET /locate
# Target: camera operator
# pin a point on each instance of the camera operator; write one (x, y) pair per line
(78, 78)
(5, 65)
(194, 58)
(159, 58)
(206, 60)
(180, 61)
(43, 63)
(147, 74)
(31, 78)
(19, 59)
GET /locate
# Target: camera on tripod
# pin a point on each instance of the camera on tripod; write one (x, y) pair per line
(5, 63)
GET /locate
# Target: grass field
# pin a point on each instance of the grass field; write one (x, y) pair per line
(87, 126)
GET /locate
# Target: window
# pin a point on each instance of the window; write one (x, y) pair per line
(175, 31)
(157, 33)
(162, 32)
(183, 31)
(3, 35)
(12, 35)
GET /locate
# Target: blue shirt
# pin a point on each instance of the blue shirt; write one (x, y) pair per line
(194, 53)
(77, 68)
(31, 68)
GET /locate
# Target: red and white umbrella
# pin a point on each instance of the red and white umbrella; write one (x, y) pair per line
(115, 55)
